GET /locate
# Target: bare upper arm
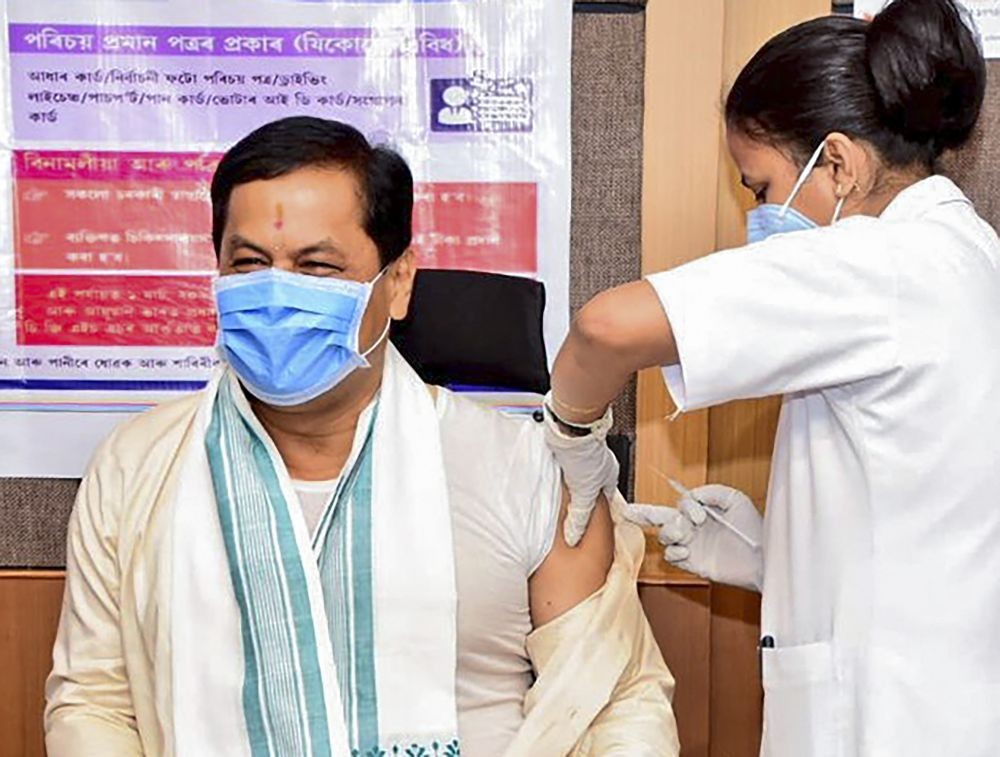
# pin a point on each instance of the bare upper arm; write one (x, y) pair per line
(629, 321)
(569, 575)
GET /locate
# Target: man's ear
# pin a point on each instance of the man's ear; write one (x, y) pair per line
(401, 274)
(849, 163)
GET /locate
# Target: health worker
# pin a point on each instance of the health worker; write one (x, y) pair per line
(868, 295)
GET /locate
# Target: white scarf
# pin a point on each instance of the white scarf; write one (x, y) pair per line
(273, 633)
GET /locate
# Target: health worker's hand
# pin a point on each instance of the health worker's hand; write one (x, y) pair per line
(588, 466)
(716, 533)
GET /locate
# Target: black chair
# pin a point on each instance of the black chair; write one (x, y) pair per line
(482, 331)
(474, 329)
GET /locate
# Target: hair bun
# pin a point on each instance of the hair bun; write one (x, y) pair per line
(928, 70)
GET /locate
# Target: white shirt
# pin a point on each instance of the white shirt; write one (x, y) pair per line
(504, 492)
(882, 531)
(314, 496)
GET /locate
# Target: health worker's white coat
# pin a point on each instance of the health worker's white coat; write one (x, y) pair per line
(882, 531)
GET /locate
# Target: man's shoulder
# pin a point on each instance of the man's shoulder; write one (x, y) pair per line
(502, 477)
(472, 425)
(147, 435)
(127, 472)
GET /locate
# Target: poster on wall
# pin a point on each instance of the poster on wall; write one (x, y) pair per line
(116, 112)
(985, 13)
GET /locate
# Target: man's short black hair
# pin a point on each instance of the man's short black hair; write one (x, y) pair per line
(281, 147)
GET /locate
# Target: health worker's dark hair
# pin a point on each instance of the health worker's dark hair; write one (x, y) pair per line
(910, 83)
(281, 147)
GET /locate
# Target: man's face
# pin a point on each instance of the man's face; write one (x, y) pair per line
(310, 222)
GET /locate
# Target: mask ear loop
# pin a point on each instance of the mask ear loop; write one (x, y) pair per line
(802, 178)
(377, 342)
(838, 209)
(388, 322)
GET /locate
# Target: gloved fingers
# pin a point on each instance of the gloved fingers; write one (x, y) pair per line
(675, 554)
(577, 519)
(679, 557)
(648, 515)
(676, 529)
(721, 497)
(692, 510)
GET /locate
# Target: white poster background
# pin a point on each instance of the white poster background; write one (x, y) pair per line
(46, 431)
(986, 14)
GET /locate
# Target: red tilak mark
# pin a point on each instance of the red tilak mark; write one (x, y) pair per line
(279, 224)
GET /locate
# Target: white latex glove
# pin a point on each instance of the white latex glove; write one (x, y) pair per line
(698, 540)
(588, 466)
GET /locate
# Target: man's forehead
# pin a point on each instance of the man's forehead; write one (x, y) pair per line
(318, 179)
(332, 194)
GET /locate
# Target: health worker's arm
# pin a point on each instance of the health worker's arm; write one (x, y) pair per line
(796, 312)
(616, 334)
(89, 704)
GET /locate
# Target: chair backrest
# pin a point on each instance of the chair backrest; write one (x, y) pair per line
(476, 330)
(481, 330)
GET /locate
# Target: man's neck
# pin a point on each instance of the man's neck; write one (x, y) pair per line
(315, 439)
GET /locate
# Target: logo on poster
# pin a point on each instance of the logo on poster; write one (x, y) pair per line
(481, 104)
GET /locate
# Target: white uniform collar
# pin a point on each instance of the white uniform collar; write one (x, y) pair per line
(918, 199)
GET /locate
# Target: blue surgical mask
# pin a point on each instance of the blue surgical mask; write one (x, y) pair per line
(769, 219)
(291, 337)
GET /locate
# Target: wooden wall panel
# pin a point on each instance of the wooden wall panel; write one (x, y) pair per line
(736, 701)
(680, 155)
(29, 613)
(680, 616)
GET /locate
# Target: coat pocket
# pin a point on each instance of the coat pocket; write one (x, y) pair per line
(801, 712)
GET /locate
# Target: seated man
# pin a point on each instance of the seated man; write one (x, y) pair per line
(320, 555)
